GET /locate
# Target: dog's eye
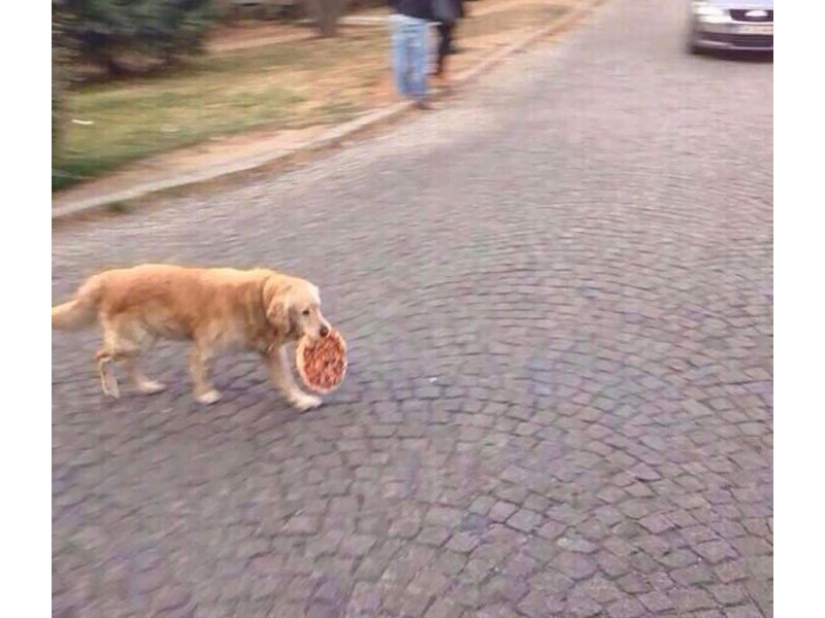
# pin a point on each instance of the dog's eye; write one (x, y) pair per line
(305, 312)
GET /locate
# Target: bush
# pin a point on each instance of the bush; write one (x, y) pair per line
(160, 30)
(61, 59)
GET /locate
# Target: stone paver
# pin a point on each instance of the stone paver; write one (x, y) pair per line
(558, 298)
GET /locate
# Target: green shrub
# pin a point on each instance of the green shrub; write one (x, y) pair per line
(61, 59)
(161, 30)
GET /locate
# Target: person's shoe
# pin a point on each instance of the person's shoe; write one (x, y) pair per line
(424, 105)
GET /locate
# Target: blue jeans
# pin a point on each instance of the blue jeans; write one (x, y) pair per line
(410, 55)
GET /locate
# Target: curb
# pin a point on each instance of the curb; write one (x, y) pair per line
(330, 139)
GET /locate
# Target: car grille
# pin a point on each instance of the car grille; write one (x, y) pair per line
(741, 15)
(751, 40)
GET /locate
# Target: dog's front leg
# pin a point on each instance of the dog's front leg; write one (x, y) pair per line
(282, 377)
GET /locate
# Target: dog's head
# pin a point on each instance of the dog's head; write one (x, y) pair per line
(293, 308)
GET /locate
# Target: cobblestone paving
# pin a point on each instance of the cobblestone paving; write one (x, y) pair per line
(558, 298)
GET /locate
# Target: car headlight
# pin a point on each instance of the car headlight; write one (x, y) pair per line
(710, 13)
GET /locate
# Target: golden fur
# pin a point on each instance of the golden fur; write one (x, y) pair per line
(216, 309)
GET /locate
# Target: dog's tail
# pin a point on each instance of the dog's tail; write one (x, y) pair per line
(80, 312)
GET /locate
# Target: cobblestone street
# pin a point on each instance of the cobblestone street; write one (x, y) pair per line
(557, 295)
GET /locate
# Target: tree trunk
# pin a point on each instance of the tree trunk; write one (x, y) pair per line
(328, 26)
(113, 68)
(326, 14)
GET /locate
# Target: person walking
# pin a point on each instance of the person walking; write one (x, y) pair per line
(447, 13)
(411, 49)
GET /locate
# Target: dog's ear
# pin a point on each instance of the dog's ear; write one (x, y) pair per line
(276, 297)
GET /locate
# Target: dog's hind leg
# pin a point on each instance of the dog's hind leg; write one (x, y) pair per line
(108, 382)
(124, 345)
(111, 352)
(199, 366)
(143, 384)
(107, 355)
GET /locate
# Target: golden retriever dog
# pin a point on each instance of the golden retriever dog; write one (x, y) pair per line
(215, 308)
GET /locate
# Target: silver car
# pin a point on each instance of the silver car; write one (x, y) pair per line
(742, 25)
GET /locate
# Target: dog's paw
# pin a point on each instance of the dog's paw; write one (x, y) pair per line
(150, 387)
(208, 398)
(305, 403)
(108, 384)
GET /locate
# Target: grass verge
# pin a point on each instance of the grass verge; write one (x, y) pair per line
(284, 85)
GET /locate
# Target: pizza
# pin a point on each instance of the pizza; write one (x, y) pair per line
(322, 363)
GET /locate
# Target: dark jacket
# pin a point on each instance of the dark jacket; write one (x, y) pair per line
(420, 9)
(454, 8)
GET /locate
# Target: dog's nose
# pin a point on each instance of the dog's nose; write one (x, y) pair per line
(324, 331)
